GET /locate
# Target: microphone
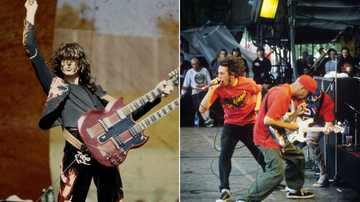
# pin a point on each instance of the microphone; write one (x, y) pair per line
(211, 84)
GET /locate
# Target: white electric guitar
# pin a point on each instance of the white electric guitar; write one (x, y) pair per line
(299, 135)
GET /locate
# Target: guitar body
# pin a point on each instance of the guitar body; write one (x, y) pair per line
(279, 134)
(106, 133)
(299, 135)
(110, 133)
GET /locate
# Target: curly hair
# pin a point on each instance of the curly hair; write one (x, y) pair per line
(234, 64)
(73, 51)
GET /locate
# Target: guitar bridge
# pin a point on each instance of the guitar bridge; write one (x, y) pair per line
(102, 151)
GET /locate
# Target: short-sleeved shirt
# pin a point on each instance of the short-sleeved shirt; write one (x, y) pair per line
(238, 101)
(278, 104)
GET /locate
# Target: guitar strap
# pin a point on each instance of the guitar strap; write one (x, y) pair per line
(73, 140)
(267, 96)
(266, 105)
(319, 108)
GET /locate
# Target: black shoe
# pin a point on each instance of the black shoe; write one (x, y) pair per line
(224, 196)
(301, 194)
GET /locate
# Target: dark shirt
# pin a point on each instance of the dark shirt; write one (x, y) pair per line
(350, 60)
(262, 71)
(185, 66)
(299, 66)
(79, 99)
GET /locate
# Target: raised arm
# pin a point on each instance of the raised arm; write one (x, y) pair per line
(42, 71)
(31, 8)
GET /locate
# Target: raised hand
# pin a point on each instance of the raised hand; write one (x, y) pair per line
(31, 7)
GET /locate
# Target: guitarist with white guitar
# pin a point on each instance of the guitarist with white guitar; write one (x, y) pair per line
(274, 105)
(318, 114)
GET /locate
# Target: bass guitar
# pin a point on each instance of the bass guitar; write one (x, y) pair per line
(304, 127)
(110, 133)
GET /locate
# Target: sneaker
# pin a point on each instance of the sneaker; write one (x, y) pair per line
(210, 125)
(242, 200)
(322, 182)
(224, 196)
(209, 122)
(300, 194)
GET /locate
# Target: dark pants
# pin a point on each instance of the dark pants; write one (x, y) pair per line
(76, 177)
(197, 98)
(230, 136)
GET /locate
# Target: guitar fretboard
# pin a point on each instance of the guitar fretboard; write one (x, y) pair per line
(142, 125)
(292, 117)
(130, 108)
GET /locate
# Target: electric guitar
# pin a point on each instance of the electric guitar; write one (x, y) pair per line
(280, 134)
(110, 133)
(299, 135)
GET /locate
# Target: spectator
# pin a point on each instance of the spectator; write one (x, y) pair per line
(346, 63)
(223, 54)
(197, 78)
(330, 65)
(356, 34)
(261, 66)
(348, 40)
(301, 62)
(184, 65)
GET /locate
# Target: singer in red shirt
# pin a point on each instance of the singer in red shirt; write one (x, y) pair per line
(237, 97)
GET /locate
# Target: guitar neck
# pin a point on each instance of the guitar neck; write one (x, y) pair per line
(142, 125)
(130, 108)
(312, 129)
(293, 115)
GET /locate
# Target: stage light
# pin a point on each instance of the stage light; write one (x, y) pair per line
(268, 8)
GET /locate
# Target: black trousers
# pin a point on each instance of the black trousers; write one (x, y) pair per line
(78, 169)
(230, 136)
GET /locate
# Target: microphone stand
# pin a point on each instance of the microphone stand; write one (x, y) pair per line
(336, 144)
(353, 147)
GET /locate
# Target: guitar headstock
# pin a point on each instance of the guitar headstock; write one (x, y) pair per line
(174, 76)
(338, 129)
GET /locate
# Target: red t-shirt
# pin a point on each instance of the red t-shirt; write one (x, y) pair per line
(278, 105)
(238, 101)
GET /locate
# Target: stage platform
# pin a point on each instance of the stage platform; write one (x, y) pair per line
(199, 171)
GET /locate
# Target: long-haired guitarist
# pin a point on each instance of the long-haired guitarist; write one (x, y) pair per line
(237, 97)
(275, 104)
(321, 112)
(71, 92)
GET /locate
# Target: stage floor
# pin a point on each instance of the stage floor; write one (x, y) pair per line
(199, 171)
